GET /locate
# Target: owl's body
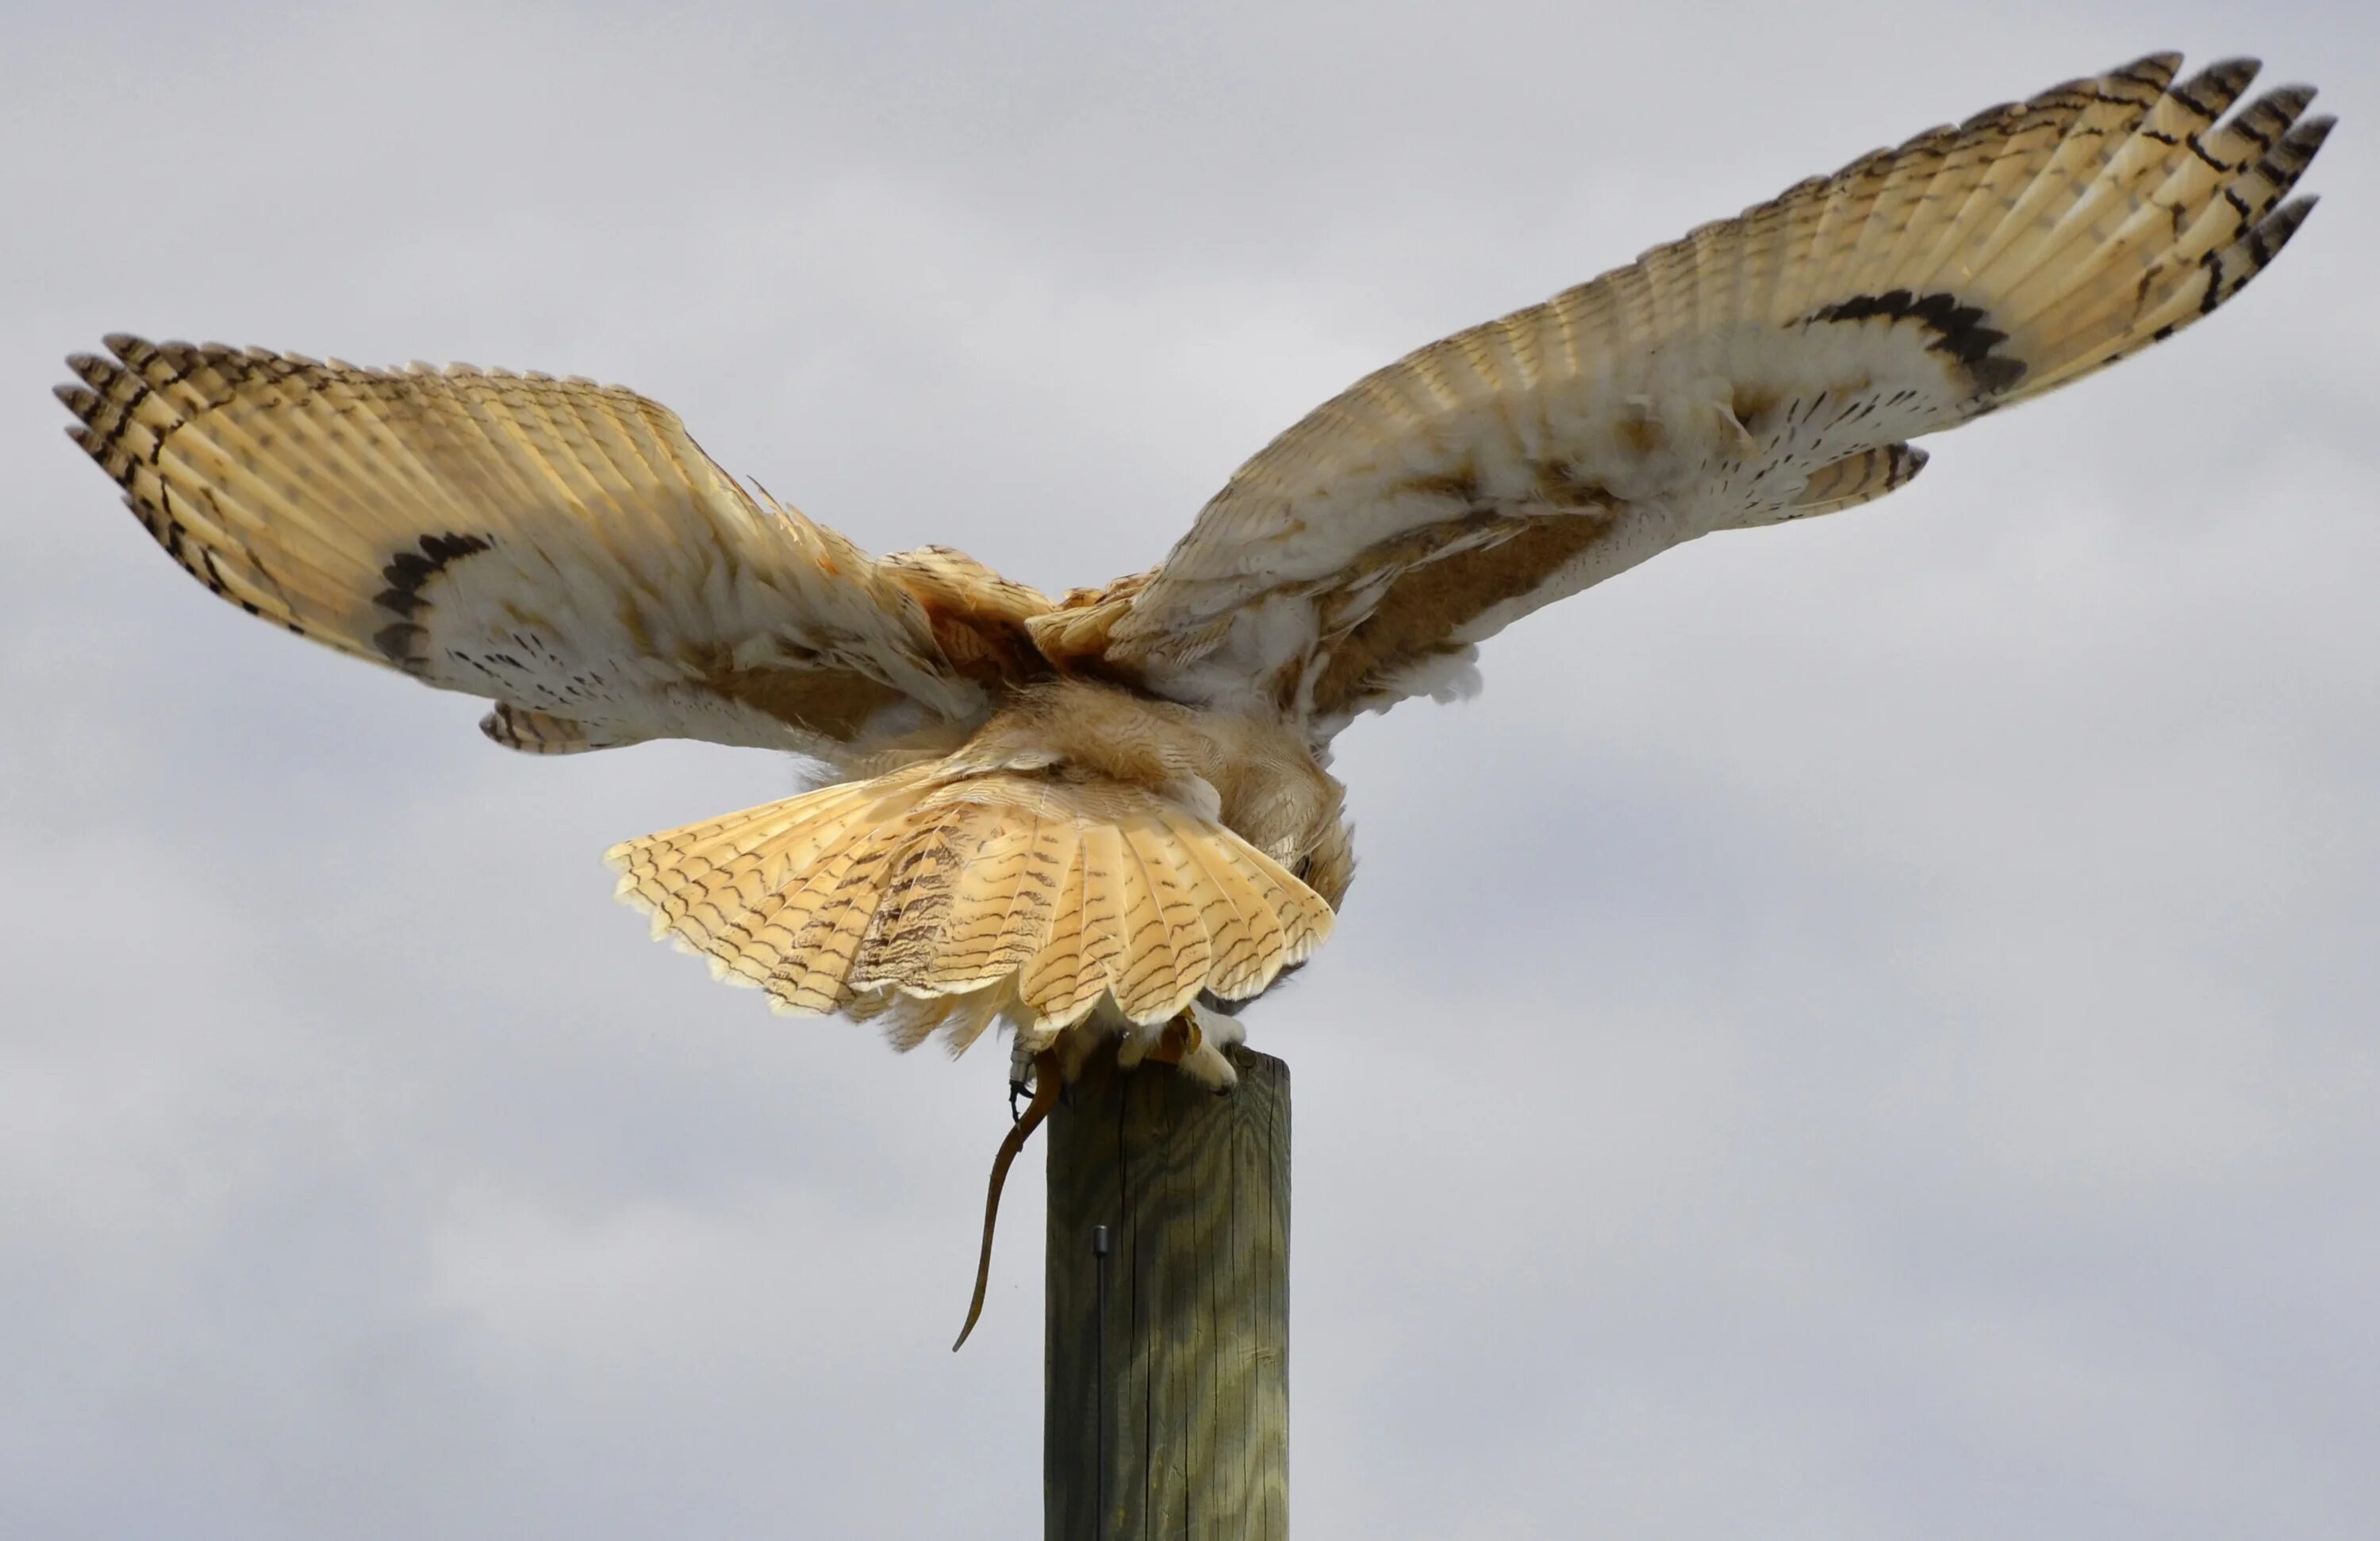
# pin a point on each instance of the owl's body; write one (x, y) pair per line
(1111, 813)
(1088, 862)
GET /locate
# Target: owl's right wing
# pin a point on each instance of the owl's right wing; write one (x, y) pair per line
(1766, 367)
(559, 547)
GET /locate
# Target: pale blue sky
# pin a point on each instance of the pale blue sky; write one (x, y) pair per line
(1864, 1030)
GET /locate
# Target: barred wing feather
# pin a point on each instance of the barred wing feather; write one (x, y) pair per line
(1766, 367)
(559, 547)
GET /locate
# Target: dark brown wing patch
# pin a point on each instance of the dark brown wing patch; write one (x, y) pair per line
(1424, 607)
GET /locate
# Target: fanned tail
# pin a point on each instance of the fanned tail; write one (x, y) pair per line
(935, 903)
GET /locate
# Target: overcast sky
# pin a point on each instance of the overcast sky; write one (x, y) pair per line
(1866, 1030)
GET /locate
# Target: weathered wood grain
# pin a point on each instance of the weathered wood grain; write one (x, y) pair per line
(1181, 1429)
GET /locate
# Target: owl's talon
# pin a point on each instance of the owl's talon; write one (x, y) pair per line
(1206, 1034)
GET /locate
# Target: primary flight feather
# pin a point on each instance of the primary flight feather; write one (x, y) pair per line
(1108, 815)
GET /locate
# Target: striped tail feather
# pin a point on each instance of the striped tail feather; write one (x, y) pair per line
(932, 902)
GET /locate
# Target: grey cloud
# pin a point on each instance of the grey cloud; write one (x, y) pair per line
(1863, 1030)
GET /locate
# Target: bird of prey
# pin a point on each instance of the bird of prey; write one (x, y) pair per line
(1109, 815)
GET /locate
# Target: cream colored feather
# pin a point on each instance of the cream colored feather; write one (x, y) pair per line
(984, 891)
(559, 546)
(1049, 981)
(1744, 375)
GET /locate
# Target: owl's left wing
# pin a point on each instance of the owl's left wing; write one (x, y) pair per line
(1765, 368)
(559, 547)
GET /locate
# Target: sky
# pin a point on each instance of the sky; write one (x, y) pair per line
(1864, 1029)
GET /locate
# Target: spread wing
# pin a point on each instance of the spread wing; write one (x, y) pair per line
(559, 547)
(1765, 368)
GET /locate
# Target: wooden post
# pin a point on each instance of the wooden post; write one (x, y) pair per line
(1177, 1424)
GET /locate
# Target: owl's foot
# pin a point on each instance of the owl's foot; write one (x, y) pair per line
(1193, 1043)
(1047, 1082)
(1020, 1076)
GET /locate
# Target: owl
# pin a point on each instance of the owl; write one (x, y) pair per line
(1109, 815)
